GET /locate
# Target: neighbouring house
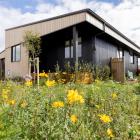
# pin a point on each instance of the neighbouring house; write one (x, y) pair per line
(77, 36)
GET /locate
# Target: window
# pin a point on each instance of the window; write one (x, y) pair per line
(132, 58)
(138, 63)
(120, 53)
(69, 48)
(79, 48)
(16, 53)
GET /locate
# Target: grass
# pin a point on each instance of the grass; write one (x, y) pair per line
(99, 111)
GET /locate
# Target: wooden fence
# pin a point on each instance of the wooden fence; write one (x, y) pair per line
(118, 69)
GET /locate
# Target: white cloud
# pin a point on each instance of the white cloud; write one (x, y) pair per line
(124, 16)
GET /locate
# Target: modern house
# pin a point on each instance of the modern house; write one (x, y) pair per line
(76, 36)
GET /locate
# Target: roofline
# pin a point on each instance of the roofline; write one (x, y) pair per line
(2, 51)
(110, 26)
(48, 19)
(77, 12)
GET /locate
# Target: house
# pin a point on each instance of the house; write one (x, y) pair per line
(77, 36)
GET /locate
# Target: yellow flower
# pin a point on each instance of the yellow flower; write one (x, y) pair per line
(73, 97)
(4, 96)
(74, 118)
(57, 104)
(43, 74)
(114, 95)
(11, 102)
(105, 118)
(110, 133)
(23, 104)
(5, 93)
(50, 83)
(28, 83)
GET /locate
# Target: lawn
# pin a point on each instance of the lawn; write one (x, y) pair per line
(102, 110)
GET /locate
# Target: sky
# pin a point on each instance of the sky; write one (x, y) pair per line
(124, 15)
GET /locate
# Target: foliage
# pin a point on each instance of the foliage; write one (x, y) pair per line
(102, 73)
(32, 43)
(102, 110)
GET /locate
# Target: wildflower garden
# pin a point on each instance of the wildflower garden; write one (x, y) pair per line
(101, 110)
(81, 103)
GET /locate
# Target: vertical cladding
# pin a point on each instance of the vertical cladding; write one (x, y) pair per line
(15, 36)
(16, 68)
(104, 51)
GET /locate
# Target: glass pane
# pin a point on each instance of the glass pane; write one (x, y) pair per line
(18, 53)
(131, 59)
(13, 54)
(79, 51)
(121, 54)
(67, 52)
(71, 51)
(139, 63)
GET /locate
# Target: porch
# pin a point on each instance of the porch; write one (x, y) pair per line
(72, 44)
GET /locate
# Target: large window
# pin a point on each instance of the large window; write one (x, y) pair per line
(120, 53)
(69, 48)
(132, 58)
(79, 48)
(16, 53)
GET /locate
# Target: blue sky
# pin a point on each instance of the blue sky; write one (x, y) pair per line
(122, 14)
(29, 5)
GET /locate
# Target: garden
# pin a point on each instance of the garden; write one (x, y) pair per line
(101, 110)
(80, 103)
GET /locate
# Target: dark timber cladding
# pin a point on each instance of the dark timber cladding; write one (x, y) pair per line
(75, 43)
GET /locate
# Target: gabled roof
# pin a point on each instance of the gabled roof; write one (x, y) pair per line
(66, 20)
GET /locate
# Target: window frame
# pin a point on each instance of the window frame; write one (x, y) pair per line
(71, 48)
(79, 46)
(14, 53)
(131, 58)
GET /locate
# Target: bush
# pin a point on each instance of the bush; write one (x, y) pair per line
(102, 73)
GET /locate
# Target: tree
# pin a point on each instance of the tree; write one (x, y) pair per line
(32, 43)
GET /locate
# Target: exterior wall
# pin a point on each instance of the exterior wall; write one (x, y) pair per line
(16, 68)
(15, 36)
(2, 54)
(128, 65)
(104, 51)
(53, 52)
